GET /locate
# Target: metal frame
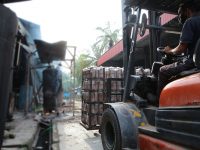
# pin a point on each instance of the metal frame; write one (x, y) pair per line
(70, 62)
(129, 40)
(129, 54)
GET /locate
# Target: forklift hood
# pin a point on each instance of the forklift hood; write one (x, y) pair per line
(170, 6)
(181, 92)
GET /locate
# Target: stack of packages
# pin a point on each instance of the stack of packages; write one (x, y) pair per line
(113, 84)
(94, 93)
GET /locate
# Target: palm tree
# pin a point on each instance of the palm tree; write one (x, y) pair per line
(106, 40)
(97, 51)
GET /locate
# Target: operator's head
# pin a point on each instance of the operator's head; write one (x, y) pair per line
(186, 10)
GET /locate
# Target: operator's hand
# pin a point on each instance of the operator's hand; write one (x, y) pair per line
(167, 50)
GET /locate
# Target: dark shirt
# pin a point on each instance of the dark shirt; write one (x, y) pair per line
(190, 34)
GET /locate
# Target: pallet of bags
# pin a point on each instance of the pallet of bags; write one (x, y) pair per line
(94, 93)
(114, 84)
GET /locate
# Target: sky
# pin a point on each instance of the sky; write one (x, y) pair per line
(74, 21)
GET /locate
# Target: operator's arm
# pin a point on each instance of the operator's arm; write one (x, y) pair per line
(185, 39)
(181, 48)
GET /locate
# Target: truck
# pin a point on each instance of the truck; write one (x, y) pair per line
(144, 121)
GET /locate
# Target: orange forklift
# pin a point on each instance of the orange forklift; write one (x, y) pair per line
(142, 121)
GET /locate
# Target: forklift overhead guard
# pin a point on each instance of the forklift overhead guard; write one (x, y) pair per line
(158, 5)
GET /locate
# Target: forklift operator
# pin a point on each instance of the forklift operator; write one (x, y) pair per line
(189, 16)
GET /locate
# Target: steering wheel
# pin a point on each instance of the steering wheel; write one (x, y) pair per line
(168, 58)
(161, 50)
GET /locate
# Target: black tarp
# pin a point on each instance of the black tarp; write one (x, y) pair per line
(49, 52)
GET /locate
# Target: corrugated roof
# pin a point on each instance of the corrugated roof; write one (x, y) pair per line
(116, 49)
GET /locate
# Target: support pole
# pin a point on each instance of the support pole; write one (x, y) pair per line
(27, 84)
(74, 81)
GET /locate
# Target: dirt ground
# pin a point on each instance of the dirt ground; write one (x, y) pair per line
(70, 134)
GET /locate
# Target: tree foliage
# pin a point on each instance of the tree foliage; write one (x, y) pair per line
(83, 61)
(104, 41)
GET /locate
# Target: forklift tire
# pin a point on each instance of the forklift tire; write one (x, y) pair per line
(110, 131)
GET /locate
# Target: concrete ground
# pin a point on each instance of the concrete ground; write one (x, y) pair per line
(21, 132)
(68, 133)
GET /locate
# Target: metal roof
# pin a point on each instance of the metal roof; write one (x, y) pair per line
(111, 53)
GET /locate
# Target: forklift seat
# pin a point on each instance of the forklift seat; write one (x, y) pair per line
(196, 59)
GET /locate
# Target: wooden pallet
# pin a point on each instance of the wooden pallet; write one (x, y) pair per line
(96, 127)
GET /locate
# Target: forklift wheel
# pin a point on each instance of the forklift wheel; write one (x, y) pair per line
(110, 131)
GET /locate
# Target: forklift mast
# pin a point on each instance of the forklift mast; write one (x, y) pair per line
(130, 34)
